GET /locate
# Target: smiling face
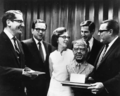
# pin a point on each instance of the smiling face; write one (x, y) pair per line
(63, 40)
(16, 25)
(85, 33)
(39, 31)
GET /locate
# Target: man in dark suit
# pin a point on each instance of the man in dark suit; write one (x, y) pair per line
(36, 60)
(107, 73)
(11, 55)
(94, 46)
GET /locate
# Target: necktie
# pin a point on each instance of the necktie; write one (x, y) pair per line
(16, 48)
(88, 46)
(41, 51)
(15, 45)
(102, 55)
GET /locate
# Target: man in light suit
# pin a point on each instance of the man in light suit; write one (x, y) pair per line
(87, 31)
(36, 60)
(107, 73)
(12, 63)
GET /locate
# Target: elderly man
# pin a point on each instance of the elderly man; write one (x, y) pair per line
(79, 64)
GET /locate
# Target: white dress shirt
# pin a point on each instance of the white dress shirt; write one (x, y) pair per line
(10, 36)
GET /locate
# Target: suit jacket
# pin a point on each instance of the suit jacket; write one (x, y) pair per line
(94, 51)
(10, 68)
(34, 60)
(108, 71)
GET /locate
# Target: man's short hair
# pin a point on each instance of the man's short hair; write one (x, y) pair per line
(90, 24)
(38, 21)
(11, 15)
(112, 24)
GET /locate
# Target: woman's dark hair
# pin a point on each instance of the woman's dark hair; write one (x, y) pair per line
(56, 33)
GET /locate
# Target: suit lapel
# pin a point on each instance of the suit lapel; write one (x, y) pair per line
(96, 61)
(46, 49)
(21, 54)
(110, 50)
(11, 48)
(34, 47)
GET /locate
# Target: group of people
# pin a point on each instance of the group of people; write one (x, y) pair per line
(20, 62)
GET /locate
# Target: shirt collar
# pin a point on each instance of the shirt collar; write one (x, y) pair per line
(76, 63)
(10, 36)
(91, 42)
(36, 41)
(111, 43)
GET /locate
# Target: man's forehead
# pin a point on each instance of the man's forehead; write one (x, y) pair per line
(19, 16)
(78, 46)
(103, 26)
(85, 28)
(40, 25)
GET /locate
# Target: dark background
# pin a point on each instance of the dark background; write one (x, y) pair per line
(67, 13)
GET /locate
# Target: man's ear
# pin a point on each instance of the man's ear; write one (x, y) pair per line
(111, 31)
(8, 22)
(32, 30)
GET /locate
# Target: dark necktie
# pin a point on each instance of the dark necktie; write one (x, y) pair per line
(41, 51)
(88, 46)
(16, 48)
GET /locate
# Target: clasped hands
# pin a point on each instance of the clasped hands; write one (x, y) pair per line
(30, 73)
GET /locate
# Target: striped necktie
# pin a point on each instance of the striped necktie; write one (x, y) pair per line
(41, 51)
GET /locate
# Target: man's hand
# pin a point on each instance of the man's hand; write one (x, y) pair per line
(29, 72)
(96, 87)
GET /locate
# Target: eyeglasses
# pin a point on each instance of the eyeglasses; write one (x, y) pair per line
(19, 21)
(64, 37)
(79, 49)
(102, 30)
(39, 29)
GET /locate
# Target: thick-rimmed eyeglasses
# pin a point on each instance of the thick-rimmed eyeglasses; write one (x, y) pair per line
(19, 21)
(39, 29)
(79, 49)
(64, 37)
(100, 31)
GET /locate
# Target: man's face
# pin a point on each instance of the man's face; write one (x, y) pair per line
(17, 24)
(39, 31)
(85, 33)
(79, 52)
(104, 33)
